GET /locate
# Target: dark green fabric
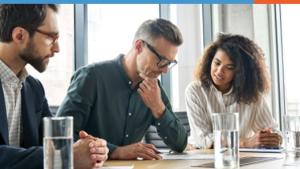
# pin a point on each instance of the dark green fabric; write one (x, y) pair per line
(102, 103)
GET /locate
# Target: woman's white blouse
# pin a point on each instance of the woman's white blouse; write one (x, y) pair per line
(201, 103)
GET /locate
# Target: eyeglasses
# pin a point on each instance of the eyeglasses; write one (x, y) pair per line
(53, 36)
(163, 61)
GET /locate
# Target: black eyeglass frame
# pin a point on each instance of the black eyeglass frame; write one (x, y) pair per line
(53, 36)
(163, 61)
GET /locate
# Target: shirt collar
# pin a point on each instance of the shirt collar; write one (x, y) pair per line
(213, 87)
(120, 62)
(7, 75)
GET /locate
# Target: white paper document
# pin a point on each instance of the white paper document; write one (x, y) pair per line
(187, 156)
(261, 150)
(116, 167)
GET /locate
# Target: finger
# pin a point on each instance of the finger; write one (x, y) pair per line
(98, 164)
(150, 81)
(140, 92)
(148, 84)
(150, 153)
(98, 143)
(267, 130)
(267, 134)
(143, 76)
(146, 156)
(271, 142)
(151, 146)
(101, 150)
(144, 87)
(83, 134)
(270, 136)
(98, 157)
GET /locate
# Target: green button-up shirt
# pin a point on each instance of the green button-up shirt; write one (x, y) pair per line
(102, 103)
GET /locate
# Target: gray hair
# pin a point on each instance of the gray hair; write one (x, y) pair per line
(151, 30)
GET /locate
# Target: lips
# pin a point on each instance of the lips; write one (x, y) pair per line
(219, 78)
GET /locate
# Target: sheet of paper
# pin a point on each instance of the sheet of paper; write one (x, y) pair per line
(261, 150)
(243, 161)
(164, 150)
(187, 156)
(292, 163)
(116, 167)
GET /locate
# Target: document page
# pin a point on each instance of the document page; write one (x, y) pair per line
(187, 156)
(262, 150)
(116, 167)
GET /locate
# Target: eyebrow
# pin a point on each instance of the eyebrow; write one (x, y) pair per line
(231, 64)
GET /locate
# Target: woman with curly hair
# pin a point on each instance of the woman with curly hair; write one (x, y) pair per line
(231, 77)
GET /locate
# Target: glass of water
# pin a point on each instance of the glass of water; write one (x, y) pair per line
(58, 143)
(226, 140)
(292, 138)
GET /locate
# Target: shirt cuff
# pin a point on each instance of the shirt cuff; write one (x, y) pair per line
(165, 119)
(111, 148)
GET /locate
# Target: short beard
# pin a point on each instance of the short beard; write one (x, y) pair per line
(28, 56)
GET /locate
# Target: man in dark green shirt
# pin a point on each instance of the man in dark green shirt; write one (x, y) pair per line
(117, 100)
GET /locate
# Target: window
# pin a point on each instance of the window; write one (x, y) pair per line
(189, 51)
(56, 78)
(174, 72)
(111, 28)
(291, 59)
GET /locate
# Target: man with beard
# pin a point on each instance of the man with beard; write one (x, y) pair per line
(119, 99)
(29, 34)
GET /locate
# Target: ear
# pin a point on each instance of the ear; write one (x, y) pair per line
(138, 46)
(19, 35)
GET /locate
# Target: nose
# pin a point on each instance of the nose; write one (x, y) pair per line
(55, 48)
(220, 70)
(164, 69)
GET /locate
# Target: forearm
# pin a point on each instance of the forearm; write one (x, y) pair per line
(18, 158)
(200, 140)
(171, 131)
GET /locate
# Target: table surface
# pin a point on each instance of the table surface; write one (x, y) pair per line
(188, 164)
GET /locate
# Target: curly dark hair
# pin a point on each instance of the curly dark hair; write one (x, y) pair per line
(251, 79)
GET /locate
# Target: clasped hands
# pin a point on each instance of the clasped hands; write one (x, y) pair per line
(263, 139)
(89, 152)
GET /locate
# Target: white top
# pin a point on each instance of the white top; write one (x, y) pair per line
(11, 85)
(201, 103)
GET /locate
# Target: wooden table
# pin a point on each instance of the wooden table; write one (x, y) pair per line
(187, 164)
